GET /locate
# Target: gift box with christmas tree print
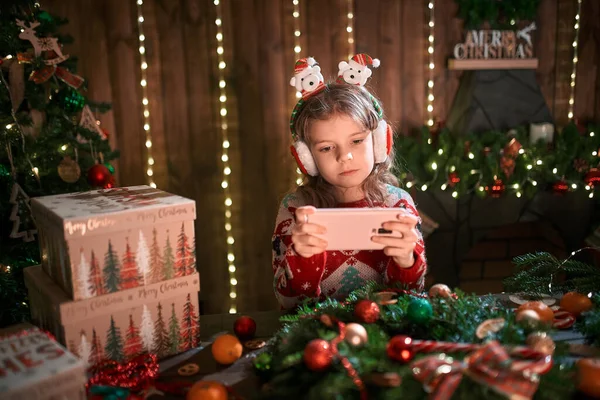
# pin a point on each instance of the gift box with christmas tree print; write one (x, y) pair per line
(160, 318)
(33, 366)
(104, 241)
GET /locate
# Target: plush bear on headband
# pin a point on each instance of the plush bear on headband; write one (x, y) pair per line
(307, 76)
(309, 81)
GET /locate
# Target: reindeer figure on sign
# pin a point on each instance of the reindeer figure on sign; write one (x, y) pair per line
(41, 44)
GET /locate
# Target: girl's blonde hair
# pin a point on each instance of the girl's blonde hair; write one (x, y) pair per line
(355, 102)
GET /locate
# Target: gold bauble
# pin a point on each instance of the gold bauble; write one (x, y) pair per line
(356, 334)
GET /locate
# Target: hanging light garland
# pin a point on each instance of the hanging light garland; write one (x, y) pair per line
(350, 28)
(575, 59)
(144, 85)
(225, 158)
(297, 50)
(431, 64)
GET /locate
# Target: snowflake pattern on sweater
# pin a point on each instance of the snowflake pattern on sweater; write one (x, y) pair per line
(336, 273)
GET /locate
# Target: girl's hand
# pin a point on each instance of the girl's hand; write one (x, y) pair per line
(400, 247)
(305, 242)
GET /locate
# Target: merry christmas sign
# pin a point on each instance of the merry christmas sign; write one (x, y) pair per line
(506, 46)
(33, 366)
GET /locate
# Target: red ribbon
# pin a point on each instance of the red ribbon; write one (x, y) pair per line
(135, 375)
(490, 365)
(43, 74)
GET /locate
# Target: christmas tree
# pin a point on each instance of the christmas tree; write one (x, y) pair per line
(112, 279)
(350, 280)
(168, 261)
(84, 277)
(95, 284)
(114, 342)
(129, 272)
(155, 260)
(46, 146)
(142, 258)
(173, 332)
(97, 353)
(185, 263)
(190, 330)
(161, 336)
(84, 350)
(147, 330)
(133, 342)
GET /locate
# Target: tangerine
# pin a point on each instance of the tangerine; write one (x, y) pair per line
(575, 303)
(226, 349)
(207, 390)
(587, 373)
(545, 313)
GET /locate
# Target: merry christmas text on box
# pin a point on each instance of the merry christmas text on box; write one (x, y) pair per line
(104, 241)
(160, 318)
(33, 366)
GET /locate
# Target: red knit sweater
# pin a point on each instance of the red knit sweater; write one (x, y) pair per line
(337, 273)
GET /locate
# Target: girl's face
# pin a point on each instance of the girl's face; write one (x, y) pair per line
(343, 152)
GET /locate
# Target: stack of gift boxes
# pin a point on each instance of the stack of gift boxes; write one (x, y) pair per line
(118, 275)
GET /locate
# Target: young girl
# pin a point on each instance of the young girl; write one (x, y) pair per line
(343, 145)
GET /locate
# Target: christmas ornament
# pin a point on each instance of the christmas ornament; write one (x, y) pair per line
(21, 214)
(384, 379)
(560, 187)
(98, 175)
(45, 17)
(110, 167)
(207, 390)
(262, 362)
(226, 349)
(366, 311)
(440, 290)
(419, 311)
(4, 172)
(453, 179)
(70, 99)
(544, 312)
(540, 341)
(399, 349)
(575, 303)
(356, 334)
(528, 318)
(110, 183)
(489, 326)
(244, 327)
(89, 122)
(563, 319)
(318, 355)
(69, 170)
(592, 178)
(134, 375)
(385, 298)
(497, 189)
(580, 165)
(507, 164)
(105, 132)
(512, 148)
(588, 373)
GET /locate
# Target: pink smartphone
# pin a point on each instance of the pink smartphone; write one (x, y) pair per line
(352, 228)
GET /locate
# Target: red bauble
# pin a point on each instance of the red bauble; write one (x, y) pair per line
(453, 179)
(106, 133)
(399, 349)
(98, 175)
(497, 189)
(244, 327)
(560, 187)
(110, 183)
(592, 178)
(366, 311)
(318, 355)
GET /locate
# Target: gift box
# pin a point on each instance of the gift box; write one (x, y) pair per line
(103, 241)
(33, 366)
(160, 318)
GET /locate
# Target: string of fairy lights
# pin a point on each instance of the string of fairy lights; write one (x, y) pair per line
(144, 86)
(350, 28)
(297, 50)
(431, 64)
(575, 59)
(221, 65)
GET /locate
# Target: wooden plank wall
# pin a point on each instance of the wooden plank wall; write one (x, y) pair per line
(258, 42)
